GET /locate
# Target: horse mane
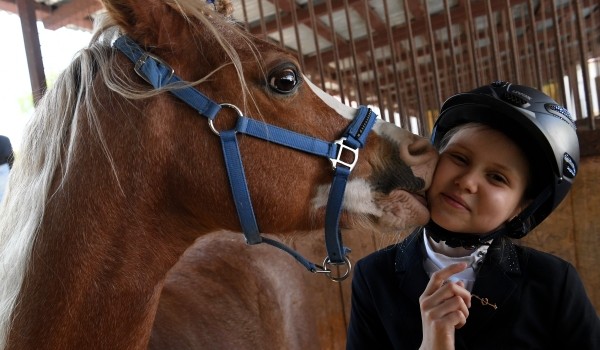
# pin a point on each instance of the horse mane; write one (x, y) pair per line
(49, 139)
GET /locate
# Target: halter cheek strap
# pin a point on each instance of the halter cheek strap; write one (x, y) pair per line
(159, 74)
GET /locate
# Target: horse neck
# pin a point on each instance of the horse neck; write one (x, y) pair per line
(98, 262)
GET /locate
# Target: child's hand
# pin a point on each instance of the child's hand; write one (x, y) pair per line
(444, 308)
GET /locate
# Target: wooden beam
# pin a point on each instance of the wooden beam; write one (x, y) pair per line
(523, 53)
(589, 140)
(302, 16)
(41, 10)
(75, 12)
(283, 5)
(33, 50)
(377, 24)
(419, 26)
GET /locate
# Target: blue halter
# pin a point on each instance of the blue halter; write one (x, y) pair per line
(159, 74)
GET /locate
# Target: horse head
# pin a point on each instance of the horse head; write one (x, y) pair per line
(288, 188)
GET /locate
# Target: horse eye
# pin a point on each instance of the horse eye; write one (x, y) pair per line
(283, 80)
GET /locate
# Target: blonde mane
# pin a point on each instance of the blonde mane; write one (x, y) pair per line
(49, 141)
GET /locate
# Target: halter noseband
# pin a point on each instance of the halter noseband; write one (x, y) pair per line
(159, 74)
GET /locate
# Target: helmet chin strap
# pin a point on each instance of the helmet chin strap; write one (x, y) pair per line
(517, 227)
(457, 239)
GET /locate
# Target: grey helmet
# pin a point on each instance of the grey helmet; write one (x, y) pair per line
(540, 126)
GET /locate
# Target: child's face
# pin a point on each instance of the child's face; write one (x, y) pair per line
(479, 181)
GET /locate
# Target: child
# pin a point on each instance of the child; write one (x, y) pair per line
(508, 156)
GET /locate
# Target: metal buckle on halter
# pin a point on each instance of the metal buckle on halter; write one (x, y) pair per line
(142, 61)
(337, 160)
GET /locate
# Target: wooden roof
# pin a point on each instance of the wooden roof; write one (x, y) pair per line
(406, 57)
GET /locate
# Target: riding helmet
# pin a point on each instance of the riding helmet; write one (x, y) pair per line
(542, 128)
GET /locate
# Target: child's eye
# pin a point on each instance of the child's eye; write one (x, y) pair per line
(459, 158)
(499, 178)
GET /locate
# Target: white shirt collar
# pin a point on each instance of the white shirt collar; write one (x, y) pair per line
(437, 261)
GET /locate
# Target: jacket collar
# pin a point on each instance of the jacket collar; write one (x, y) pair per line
(502, 254)
(412, 278)
(496, 280)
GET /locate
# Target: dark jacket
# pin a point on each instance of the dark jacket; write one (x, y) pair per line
(540, 299)
(6, 151)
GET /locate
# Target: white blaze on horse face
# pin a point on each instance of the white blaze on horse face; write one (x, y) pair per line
(342, 109)
(381, 127)
(358, 198)
(389, 131)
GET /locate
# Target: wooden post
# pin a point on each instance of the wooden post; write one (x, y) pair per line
(32, 48)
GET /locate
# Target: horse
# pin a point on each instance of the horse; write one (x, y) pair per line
(119, 172)
(223, 295)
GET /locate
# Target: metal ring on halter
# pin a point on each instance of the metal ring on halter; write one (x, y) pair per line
(229, 105)
(329, 271)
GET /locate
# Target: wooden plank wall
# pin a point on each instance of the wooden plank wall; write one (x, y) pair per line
(573, 230)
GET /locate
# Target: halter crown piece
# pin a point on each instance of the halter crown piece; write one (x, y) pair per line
(159, 74)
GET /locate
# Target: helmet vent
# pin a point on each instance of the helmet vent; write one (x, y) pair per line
(556, 109)
(515, 99)
(560, 112)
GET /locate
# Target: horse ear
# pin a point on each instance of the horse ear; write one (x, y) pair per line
(145, 20)
(126, 13)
